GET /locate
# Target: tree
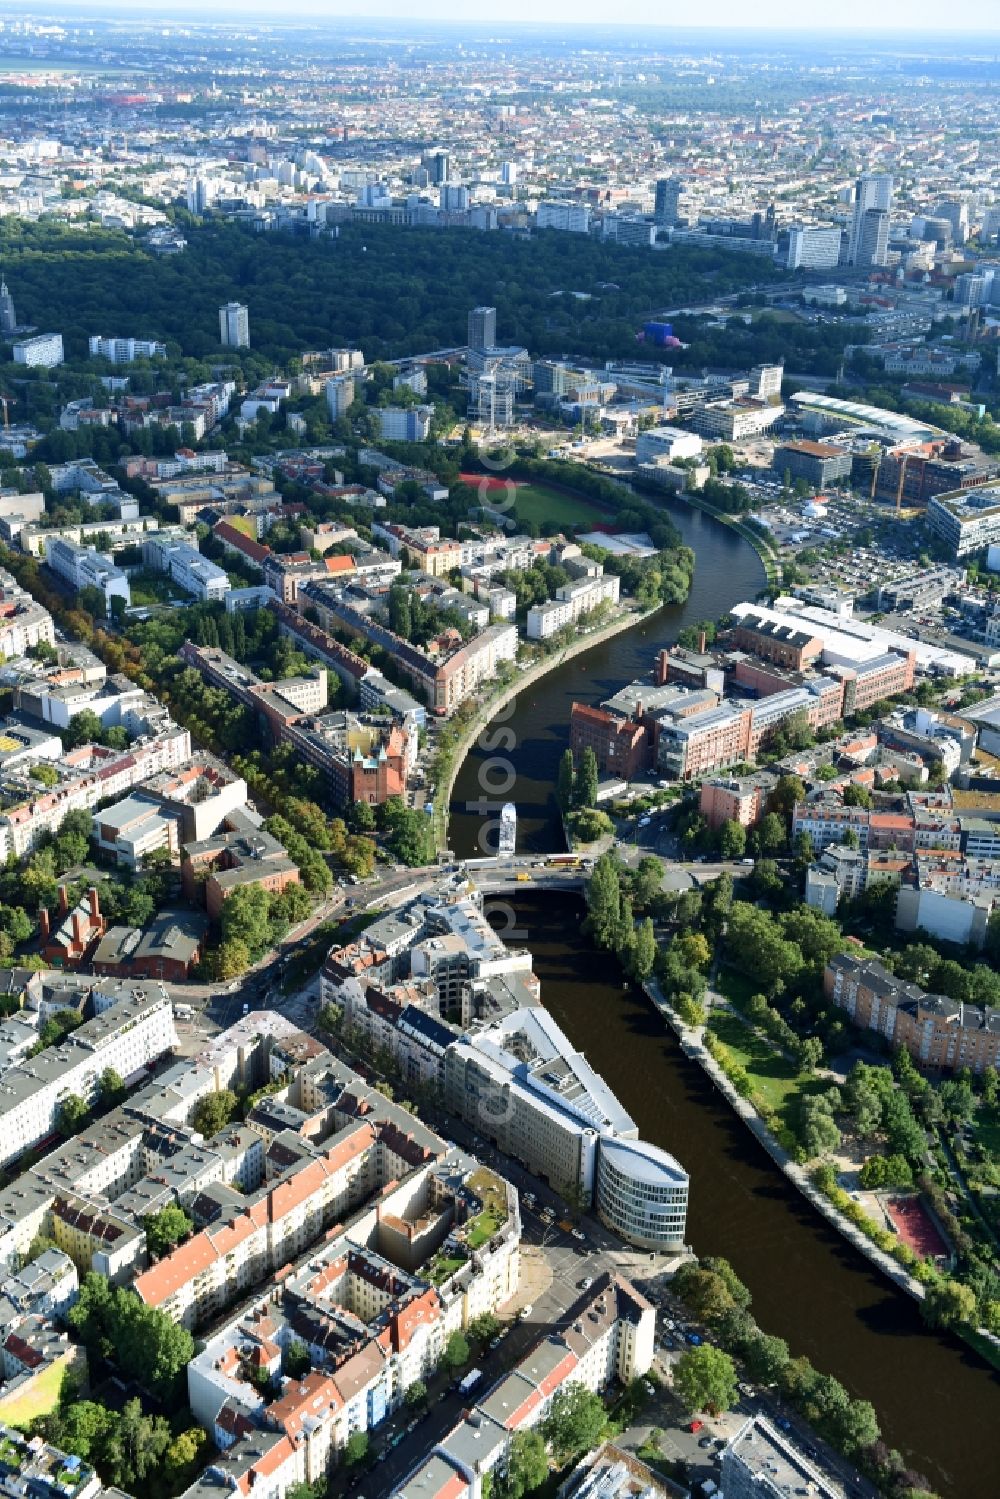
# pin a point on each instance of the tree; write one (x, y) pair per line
(356, 1448)
(566, 781)
(111, 1088)
(604, 900)
(705, 1379)
(857, 796)
(361, 817)
(881, 1171)
(732, 840)
(576, 1422)
(214, 1111)
(182, 1455)
(246, 918)
(817, 1130)
(647, 882)
(73, 1115)
(948, 1302)
(297, 1360)
(586, 779)
(166, 1228)
(705, 1293)
(416, 1393)
(770, 834)
(693, 949)
(456, 1351)
(764, 1357)
(484, 1327)
(643, 953)
(525, 1469)
(232, 959)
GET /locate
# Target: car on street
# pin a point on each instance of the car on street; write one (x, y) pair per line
(579, 1234)
(695, 1425)
(586, 1283)
(706, 1441)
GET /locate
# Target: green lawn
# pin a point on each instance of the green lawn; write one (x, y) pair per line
(41, 1397)
(482, 1229)
(553, 510)
(154, 588)
(776, 1079)
(443, 1266)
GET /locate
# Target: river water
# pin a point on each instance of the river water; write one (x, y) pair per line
(936, 1401)
(728, 570)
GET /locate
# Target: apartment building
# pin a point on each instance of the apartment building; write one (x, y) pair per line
(43, 351)
(89, 775)
(608, 1335)
(126, 350)
(404, 423)
(127, 1036)
(572, 602)
(23, 623)
(181, 561)
(431, 552)
(82, 567)
(735, 799)
(556, 213)
(939, 1033)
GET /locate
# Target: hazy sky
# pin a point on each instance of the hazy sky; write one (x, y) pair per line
(903, 17)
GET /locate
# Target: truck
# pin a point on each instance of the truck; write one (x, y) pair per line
(183, 1012)
(470, 1381)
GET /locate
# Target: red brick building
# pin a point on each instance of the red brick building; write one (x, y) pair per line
(621, 745)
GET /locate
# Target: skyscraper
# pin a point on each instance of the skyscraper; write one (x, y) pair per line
(8, 318)
(668, 196)
(234, 326)
(438, 164)
(483, 328)
(873, 190)
(873, 242)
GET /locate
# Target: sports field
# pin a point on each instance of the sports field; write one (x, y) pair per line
(551, 509)
(915, 1227)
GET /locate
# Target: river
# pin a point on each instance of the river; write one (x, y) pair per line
(936, 1401)
(728, 570)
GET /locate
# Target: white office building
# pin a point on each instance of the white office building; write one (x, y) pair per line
(813, 246)
(234, 326)
(187, 567)
(642, 1193)
(520, 1082)
(665, 444)
(126, 350)
(44, 351)
(84, 568)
